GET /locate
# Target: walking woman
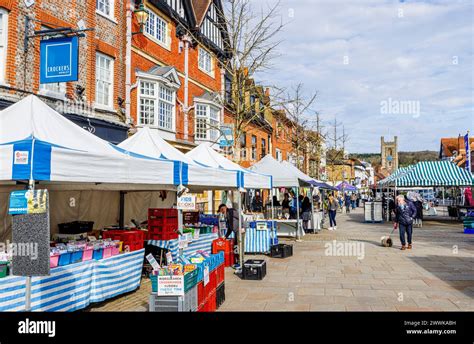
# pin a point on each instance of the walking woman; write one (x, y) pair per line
(306, 213)
(405, 212)
(333, 205)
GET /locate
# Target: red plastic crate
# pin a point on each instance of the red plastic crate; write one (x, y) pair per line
(202, 296)
(163, 229)
(212, 285)
(134, 246)
(212, 302)
(220, 274)
(125, 236)
(163, 236)
(226, 245)
(229, 259)
(154, 212)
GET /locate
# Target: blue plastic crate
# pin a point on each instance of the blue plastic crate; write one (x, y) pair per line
(64, 259)
(76, 257)
(98, 254)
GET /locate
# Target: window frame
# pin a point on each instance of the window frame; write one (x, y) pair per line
(201, 67)
(111, 7)
(158, 100)
(166, 42)
(4, 43)
(211, 134)
(109, 106)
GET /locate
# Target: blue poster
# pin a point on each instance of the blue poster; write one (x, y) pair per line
(59, 60)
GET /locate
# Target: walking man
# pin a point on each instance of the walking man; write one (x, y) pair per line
(405, 212)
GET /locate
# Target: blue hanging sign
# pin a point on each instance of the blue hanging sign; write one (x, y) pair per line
(59, 60)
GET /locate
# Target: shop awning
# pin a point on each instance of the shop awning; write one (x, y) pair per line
(207, 156)
(38, 143)
(148, 142)
(434, 173)
(345, 186)
(281, 174)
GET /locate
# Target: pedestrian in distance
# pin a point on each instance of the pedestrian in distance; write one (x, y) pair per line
(405, 212)
(347, 203)
(332, 209)
(306, 212)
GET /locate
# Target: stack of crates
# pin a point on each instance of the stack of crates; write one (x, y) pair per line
(186, 303)
(207, 294)
(226, 246)
(133, 239)
(162, 224)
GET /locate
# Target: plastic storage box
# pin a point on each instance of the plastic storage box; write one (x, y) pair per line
(281, 251)
(254, 269)
(186, 303)
(220, 295)
(3, 269)
(76, 256)
(53, 261)
(64, 259)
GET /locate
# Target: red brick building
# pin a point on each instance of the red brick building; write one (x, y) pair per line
(177, 79)
(95, 100)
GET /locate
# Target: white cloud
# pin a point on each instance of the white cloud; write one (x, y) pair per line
(412, 57)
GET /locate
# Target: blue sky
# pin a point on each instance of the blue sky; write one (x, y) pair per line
(361, 54)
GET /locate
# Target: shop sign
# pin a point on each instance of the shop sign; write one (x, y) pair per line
(227, 137)
(28, 202)
(261, 226)
(21, 158)
(59, 59)
(187, 202)
(171, 285)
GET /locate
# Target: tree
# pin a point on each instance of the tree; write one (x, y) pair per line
(336, 152)
(298, 108)
(252, 45)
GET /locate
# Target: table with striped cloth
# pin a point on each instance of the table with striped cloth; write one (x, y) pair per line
(204, 243)
(259, 241)
(75, 286)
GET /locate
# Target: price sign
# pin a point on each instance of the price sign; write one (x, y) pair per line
(261, 226)
(171, 285)
(153, 262)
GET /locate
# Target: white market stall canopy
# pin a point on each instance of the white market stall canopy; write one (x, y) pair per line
(282, 176)
(205, 155)
(38, 143)
(431, 173)
(148, 142)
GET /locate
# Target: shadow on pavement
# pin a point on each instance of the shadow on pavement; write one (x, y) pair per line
(458, 272)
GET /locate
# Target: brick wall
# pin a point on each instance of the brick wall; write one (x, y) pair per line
(147, 53)
(108, 37)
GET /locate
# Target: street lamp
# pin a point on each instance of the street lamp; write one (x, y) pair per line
(142, 16)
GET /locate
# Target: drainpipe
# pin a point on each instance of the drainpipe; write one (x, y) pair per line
(128, 63)
(186, 41)
(222, 93)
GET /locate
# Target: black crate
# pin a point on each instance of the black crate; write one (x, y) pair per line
(220, 295)
(281, 251)
(254, 269)
(76, 227)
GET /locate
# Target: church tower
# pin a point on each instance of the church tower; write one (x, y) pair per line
(389, 153)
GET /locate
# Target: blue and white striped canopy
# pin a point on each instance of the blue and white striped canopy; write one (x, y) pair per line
(434, 173)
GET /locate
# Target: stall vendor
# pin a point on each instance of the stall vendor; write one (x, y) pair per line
(224, 225)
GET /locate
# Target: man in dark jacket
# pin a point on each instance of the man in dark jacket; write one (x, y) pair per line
(405, 212)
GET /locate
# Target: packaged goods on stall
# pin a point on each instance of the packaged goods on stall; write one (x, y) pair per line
(78, 251)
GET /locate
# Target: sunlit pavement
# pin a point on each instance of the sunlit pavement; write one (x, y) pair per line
(437, 275)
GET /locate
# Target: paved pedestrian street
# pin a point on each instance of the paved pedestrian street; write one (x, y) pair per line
(437, 275)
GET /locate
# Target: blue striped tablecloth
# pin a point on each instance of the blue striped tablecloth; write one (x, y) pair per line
(75, 286)
(204, 243)
(260, 241)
